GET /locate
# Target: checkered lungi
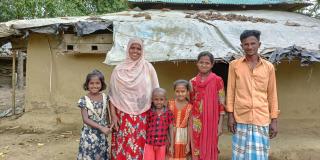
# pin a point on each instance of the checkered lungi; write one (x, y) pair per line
(250, 142)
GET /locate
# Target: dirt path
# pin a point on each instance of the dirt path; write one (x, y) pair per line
(20, 143)
(35, 137)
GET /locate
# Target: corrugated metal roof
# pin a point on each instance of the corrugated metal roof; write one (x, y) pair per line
(284, 5)
(180, 35)
(238, 2)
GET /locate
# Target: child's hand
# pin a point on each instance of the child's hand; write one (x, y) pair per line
(220, 130)
(171, 150)
(187, 148)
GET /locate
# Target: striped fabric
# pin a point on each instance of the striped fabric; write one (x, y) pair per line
(251, 142)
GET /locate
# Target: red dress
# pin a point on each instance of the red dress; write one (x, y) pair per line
(207, 98)
(128, 142)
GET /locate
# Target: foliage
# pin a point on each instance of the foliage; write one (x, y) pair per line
(28, 9)
(312, 11)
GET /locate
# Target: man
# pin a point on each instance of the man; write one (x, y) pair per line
(252, 102)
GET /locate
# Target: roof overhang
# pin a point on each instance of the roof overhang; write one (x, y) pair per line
(177, 35)
(282, 6)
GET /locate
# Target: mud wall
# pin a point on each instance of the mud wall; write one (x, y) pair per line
(55, 79)
(298, 90)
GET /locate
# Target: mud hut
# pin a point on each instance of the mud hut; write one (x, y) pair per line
(61, 51)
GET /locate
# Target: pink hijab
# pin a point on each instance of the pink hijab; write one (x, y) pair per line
(132, 82)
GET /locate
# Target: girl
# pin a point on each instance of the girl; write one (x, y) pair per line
(160, 123)
(208, 99)
(181, 109)
(94, 111)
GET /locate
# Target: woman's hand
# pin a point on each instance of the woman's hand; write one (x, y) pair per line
(106, 130)
(115, 122)
(114, 117)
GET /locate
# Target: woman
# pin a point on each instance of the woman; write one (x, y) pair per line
(131, 86)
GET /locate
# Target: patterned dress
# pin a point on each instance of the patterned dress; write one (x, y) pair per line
(128, 142)
(93, 143)
(197, 95)
(181, 119)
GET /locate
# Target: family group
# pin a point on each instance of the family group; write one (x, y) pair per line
(145, 124)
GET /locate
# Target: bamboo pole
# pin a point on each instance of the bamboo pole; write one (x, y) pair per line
(20, 78)
(14, 82)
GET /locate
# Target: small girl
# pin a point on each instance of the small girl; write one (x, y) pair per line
(95, 114)
(181, 109)
(160, 123)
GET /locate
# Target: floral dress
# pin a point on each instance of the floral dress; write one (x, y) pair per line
(93, 143)
(128, 142)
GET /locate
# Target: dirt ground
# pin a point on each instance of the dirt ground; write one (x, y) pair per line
(37, 135)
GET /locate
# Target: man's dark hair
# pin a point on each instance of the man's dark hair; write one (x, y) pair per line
(248, 33)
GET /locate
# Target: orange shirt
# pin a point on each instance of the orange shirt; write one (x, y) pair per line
(252, 94)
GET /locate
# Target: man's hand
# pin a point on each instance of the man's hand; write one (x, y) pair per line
(273, 128)
(232, 125)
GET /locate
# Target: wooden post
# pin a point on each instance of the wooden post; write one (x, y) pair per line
(14, 82)
(20, 78)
